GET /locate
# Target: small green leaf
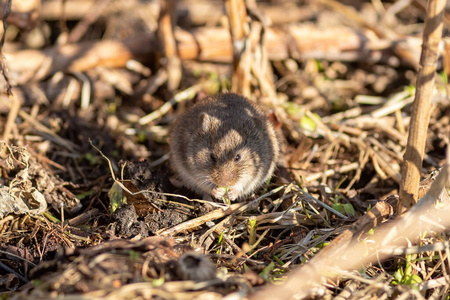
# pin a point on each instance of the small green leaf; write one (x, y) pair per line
(158, 282)
(321, 245)
(220, 238)
(265, 273)
(411, 90)
(279, 261)
(444, 77)
(398, 275)
(37, 283)
(348, 208)
(93, 160)
(116, 198)
(293, 109)
(319, 66)
(339, 207)
(134, 255)
(83, 195)
(412, 279)
(52, 218)
(141, 137)
(308, 124)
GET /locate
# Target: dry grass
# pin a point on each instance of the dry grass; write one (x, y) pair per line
(87, 126)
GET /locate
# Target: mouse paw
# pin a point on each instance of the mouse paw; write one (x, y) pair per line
(232, 194)
(218, 192)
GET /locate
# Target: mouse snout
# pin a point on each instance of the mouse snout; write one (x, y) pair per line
(224, 176)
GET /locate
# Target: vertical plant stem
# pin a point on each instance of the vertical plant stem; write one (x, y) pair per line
(237, 15)
(166, 37)
(412, 160)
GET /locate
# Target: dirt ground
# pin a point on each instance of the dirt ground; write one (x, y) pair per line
(88, 205)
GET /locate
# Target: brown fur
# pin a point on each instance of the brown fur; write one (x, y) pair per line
(223, 145)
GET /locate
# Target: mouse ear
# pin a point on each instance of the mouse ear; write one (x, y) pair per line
(208, 122)
(259, 122)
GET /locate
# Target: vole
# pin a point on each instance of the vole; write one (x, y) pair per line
(223, 146)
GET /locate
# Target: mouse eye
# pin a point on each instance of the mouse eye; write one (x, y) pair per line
(237, 158)
(212, 157)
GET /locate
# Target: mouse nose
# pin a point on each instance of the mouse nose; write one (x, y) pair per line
(224, 177)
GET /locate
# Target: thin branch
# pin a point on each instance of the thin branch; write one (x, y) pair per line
(412, 160)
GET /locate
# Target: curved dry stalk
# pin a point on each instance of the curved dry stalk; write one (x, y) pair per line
(347, 252)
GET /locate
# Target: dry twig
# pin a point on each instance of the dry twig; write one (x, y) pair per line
(412, 164)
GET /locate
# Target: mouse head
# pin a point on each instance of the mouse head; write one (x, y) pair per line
(224, 153)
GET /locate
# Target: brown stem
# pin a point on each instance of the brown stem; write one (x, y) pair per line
(422, 105)
(240, 81)
(168, 44)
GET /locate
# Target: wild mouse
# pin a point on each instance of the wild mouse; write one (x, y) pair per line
(223, 146)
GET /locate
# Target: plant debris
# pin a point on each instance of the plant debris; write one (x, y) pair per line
(89, 207)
